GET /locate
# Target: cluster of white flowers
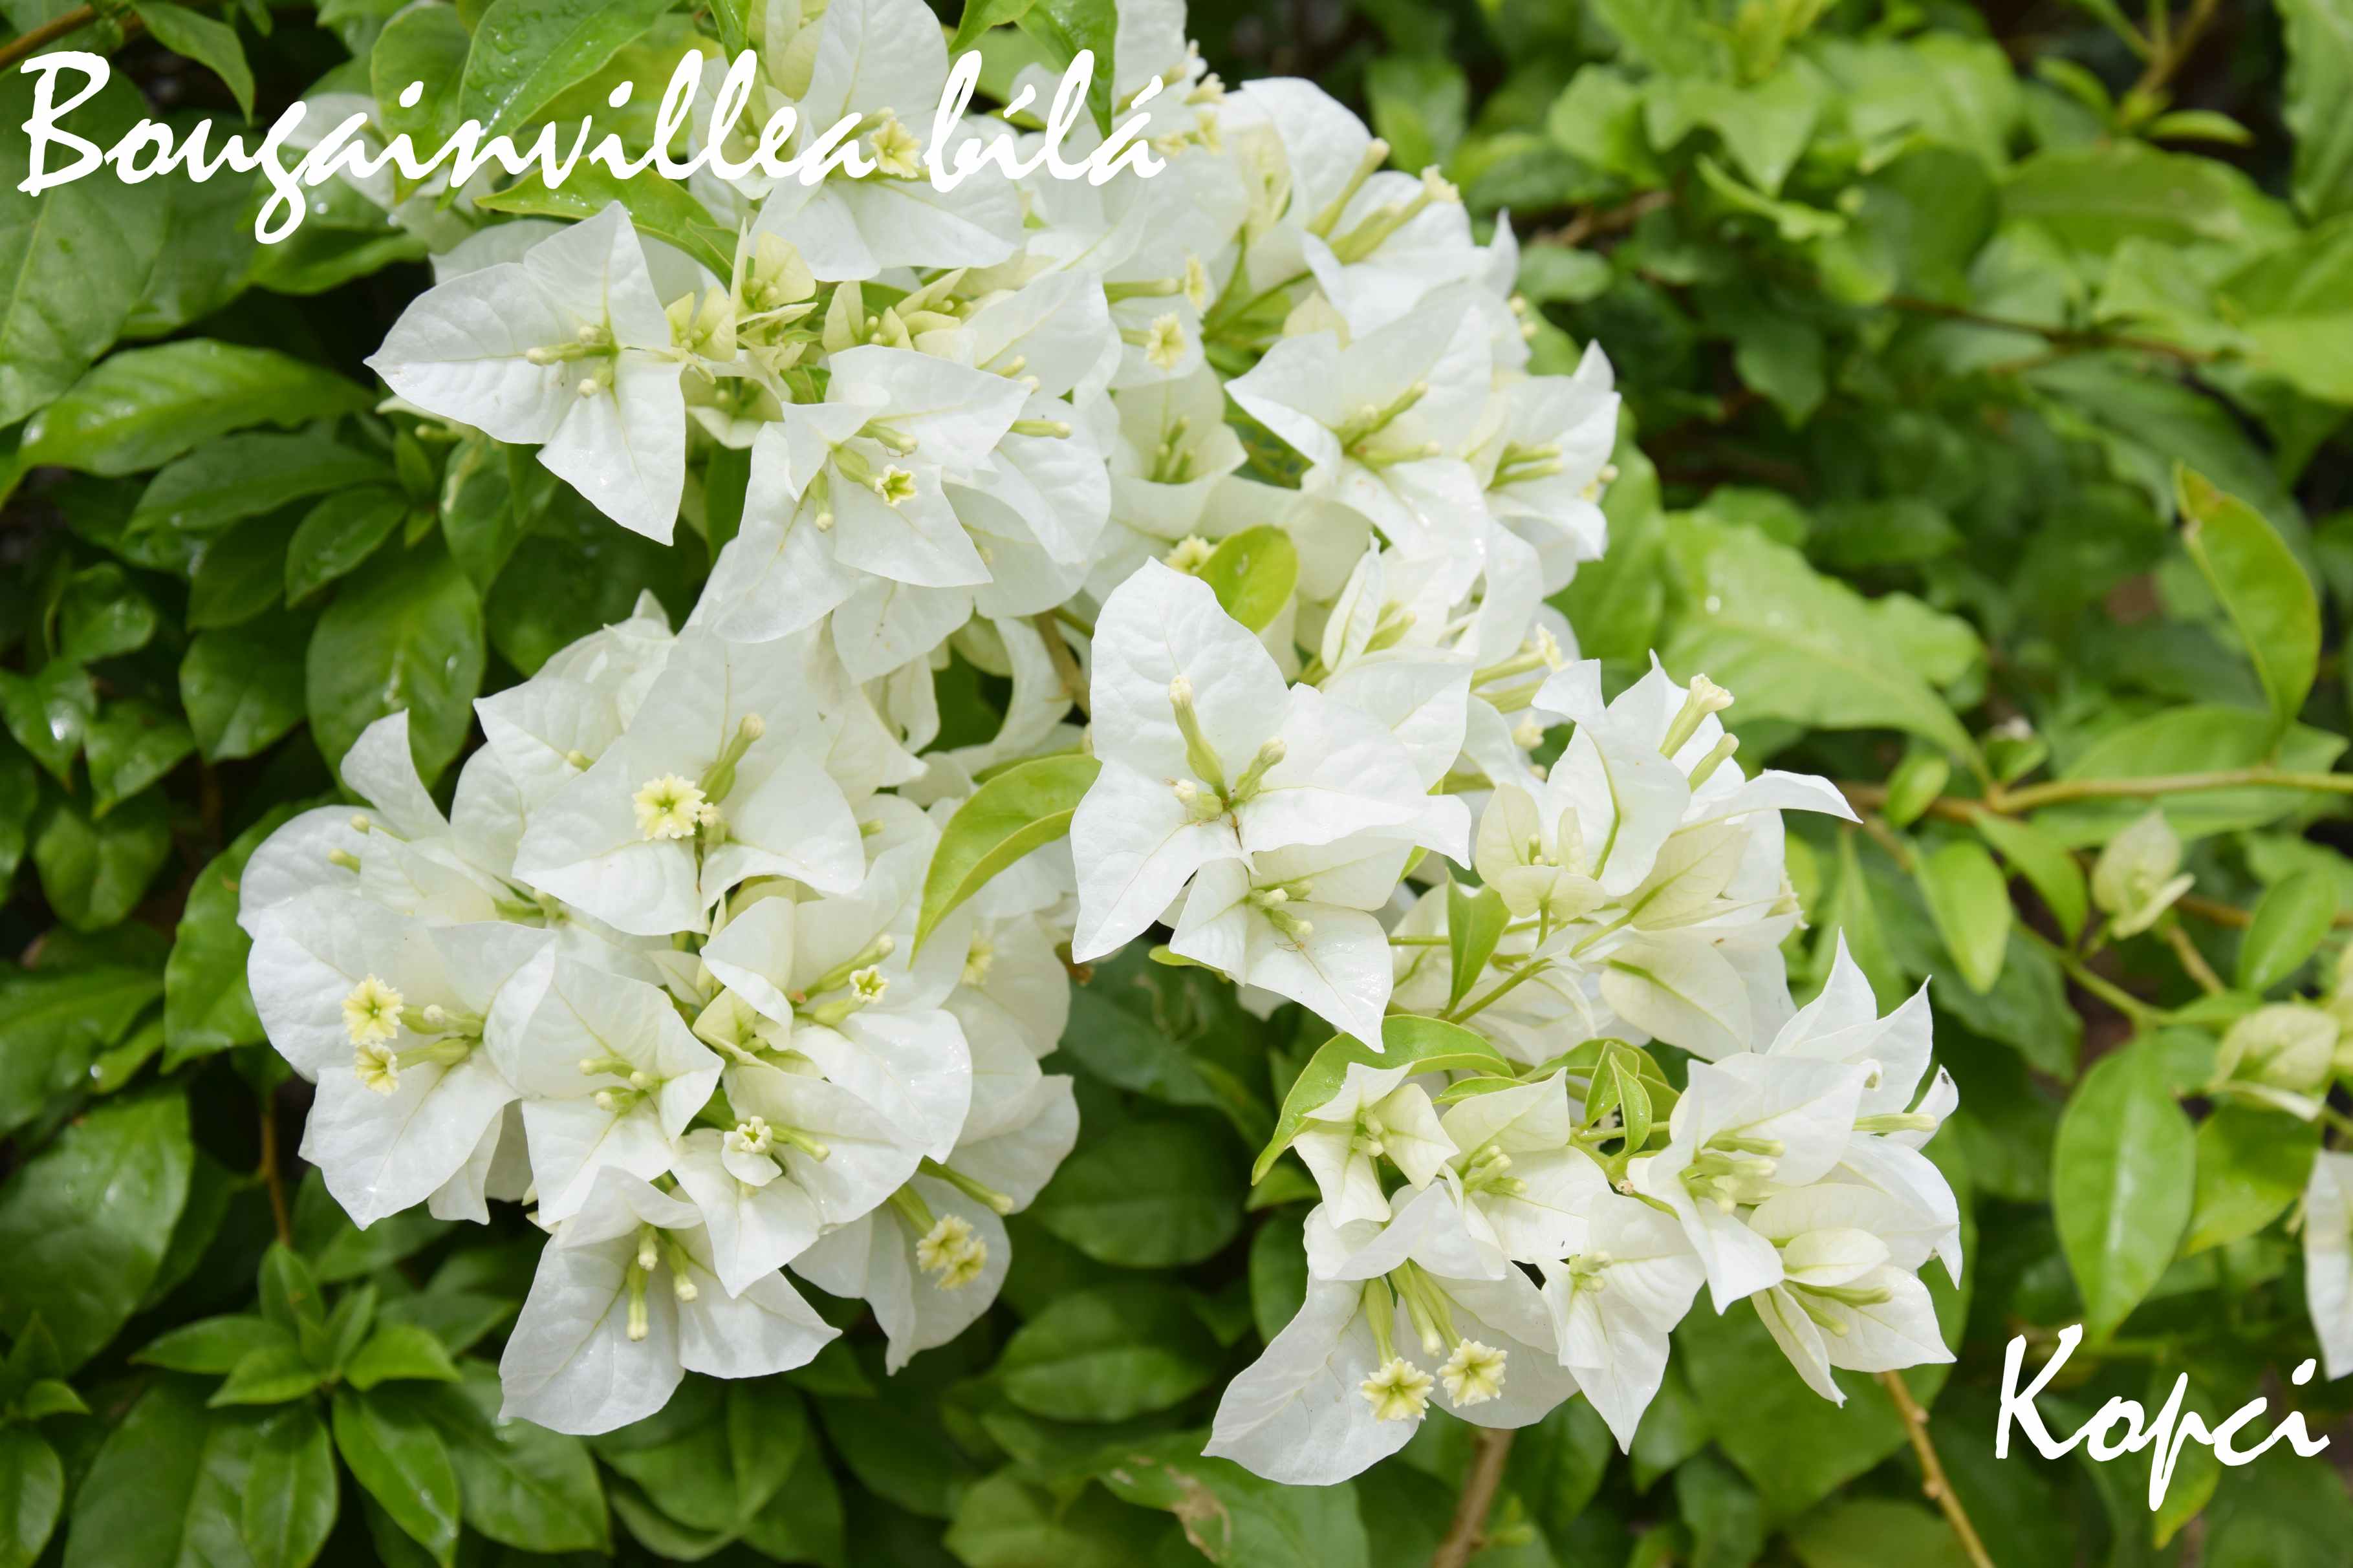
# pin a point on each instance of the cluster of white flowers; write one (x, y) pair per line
(669, 971)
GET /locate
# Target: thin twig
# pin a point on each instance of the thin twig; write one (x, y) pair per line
(2063, 337)
(2011, 802)
(2191, 959)
(32, 40)
(268, 1171)
(1466, 1533)
(2172, 53)
(1590, 221)
(1066, 663)
(2099, 986)
(1933, 1483)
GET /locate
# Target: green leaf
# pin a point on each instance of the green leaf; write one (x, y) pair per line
(2121, 1182)
(1157, 1195)
(206, 1005)
(574, 573)
(396, 1454)
(272, 1374)
(243, 687)
(2094, 198)
(130, 746)
(1067, 27)
(85, 1222)
(1109, 1354)
(1252, 574)
(1475, 920)
(2289, 922)
(32, 1494)
(1026, 806)
(213, 1345)
(1006, 1522)
(2268, 597)
(95, 872)
(425, 45)
(72, 259)
(102, 615)
(2319, 36)
(55, 1021)
(521, 1485)
(1792, 643)
(144, 406)
(659, 208)
(2191, 740)
(979, 15)
(398, 1352)
(525, 52)
(2252, 1163)
(186, 508)
(209, 42)
(716, 1454)
(1176, 1035)
(167, 1487)
(1970, 900)
(1864, 1532)
(1235, 1518)
(2044, 863)
(49, 713)
(1915, 785)
(1431, 1045)
(338, 534)
(290, 1497)
(409, 637)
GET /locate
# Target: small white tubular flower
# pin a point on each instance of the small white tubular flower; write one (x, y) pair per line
(1376, 1115)
(625, 1302)
(2327, 1238)
(610, 1073)
(2134, 879)
(804, 1154)
(721, 775)
(372, 1012)
(920, 1303)
(1850, 1295)
(1746, 1128)
(1473, 1375)
(839, 980)
(1399, 1391)
(567, 348)
(1206, 757)
(1614, 1300)
(1384, 422)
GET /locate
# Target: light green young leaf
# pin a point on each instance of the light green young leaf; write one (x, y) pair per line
(2262, 586)
(2288, 923)
(660, 209)
(2319, 34)
(1476, 919)
(2044, 863)
(2122, 1182)
(1429, 1044)
(1252, 574)
(1027, 805)
(2252, 1163)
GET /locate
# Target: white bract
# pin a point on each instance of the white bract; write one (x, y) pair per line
(739, 951)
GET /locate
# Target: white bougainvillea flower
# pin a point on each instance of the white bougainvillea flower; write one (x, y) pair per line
(1849, 1294)
(721, 775)
(885, 61)
(1745, 1129)
(1547, 461)
(803, 1153)
(1376, 1115)
(611, 1075)
(627, 1303)
(839, 984)
(2327, 1238)
(2138, 875)
(1614, 1299)
(1843, 1025)
(929, 1262)
(1384, 422)
(1353, 1375)
(1296, 922)
(1207, 757)
(567, 348)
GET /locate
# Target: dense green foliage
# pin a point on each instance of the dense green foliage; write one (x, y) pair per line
(1987, 371)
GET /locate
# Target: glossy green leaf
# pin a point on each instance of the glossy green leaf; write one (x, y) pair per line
(1158, 1195)
(410, 637)
(210, 43)
(2045, 863)
(2262, 586)
(2122, 1173)
(2288, 923)
(145, 406)
(1023, 808)
(400, 1459)
(1109, 1354)
(1476, 919)
(1252, 574)
(526, 51)
(2252, 1163)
